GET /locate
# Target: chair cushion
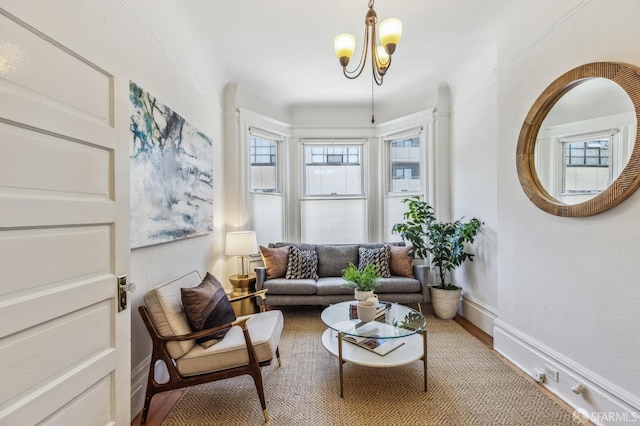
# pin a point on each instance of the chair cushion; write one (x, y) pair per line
(302, 264)
(401, 261)
(379, 257)
(333, 259)
(275, 261)
(207, 306)
(264, 328)
(166, 310)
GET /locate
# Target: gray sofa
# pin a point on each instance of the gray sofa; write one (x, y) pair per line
(328, 289)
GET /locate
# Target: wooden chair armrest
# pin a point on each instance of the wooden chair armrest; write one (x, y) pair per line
(262, 294)
(205, 333)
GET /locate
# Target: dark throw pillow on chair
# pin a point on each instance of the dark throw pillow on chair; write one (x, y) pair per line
(207, 306)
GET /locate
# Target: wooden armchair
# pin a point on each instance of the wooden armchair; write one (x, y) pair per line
(249, 344)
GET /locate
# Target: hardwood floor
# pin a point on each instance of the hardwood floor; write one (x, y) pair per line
(163, 403)
(161, 406)
(474, 331)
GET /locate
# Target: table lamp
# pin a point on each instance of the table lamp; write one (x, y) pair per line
(241, 244)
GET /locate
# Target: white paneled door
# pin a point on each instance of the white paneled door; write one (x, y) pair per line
(64, 239)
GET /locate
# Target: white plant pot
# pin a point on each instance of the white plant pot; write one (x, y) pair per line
(362, 295)
(445, 302)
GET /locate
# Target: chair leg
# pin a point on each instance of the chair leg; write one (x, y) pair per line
(278, 357)
(145, 409)
(257, 379)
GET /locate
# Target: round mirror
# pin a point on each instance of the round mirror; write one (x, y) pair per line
(577, 153)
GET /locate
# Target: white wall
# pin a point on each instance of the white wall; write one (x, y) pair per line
(184, 80)
(567, 291)
(474, 145)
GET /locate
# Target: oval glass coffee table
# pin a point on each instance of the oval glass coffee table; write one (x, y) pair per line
(400, 330)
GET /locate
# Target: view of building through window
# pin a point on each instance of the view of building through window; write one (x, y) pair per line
(405, 165)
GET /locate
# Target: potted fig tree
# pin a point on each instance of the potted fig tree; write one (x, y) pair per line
(445, 242)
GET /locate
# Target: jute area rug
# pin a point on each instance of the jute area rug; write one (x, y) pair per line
(468, 385)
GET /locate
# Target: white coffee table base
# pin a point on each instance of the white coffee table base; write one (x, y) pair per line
(414, 349)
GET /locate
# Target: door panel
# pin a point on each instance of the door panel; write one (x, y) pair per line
(37, 61)
(66, 168)
(64, 237)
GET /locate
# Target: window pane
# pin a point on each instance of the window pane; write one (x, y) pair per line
(333, 170)
(405, 165)
(586, 166)
(333, 221)
(263, 170)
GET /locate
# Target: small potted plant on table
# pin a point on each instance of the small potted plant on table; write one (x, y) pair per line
(364, 282)
(445, 241)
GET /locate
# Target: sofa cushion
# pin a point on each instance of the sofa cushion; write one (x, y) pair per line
(331, 285)
(301, 246)
(302, 264)
(401, 261)
(207, 306)
(333, 259)
(285, 286)
(379, 257)
(398, 285)
(264, 329)
(275, 261)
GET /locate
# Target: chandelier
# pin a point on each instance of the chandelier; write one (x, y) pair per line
(389, 33)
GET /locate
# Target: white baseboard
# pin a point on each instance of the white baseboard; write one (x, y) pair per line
(603, 402)
(139, 375)
(478, 313)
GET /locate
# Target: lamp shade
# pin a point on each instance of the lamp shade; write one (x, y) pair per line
(344, 45)
(241, 243)
(390, 31)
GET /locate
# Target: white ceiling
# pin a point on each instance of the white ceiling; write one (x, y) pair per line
(282, 50)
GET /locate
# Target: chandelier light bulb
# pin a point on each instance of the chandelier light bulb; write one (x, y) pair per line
(383, 57)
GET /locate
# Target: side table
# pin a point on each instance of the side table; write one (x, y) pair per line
(242, 287)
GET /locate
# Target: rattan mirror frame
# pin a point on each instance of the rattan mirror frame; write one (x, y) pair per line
(628, 77)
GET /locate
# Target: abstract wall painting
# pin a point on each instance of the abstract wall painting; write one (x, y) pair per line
(171, 174)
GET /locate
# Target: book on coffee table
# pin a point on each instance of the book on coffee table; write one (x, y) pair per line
(368, 340)
(380, 311)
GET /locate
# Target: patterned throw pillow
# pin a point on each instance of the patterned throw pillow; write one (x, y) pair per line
(207, 306)
(401, 261)
(302, 264)
(275, 261)
(379, 257)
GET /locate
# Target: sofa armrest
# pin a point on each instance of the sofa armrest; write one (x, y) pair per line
(421, 272)
(261, 277)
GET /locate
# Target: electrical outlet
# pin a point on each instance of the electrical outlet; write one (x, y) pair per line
(538, 375)
(551, 373)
